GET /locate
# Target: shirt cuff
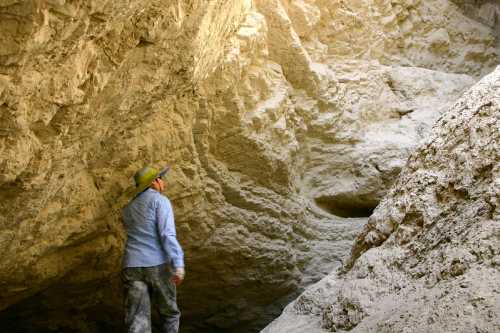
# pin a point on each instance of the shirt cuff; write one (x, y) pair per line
(179, 263)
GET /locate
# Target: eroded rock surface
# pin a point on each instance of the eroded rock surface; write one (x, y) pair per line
(285, 123)
(428, 258)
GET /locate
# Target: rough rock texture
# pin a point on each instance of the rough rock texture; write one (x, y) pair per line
(285, 123)
(428, 259)
(484, 11)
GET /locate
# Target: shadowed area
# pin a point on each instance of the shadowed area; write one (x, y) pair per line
(345, 206)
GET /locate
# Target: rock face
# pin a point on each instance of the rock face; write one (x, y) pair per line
(428, 258)
(285, 123)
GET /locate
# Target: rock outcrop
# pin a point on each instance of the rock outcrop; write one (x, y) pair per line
(428, 258)
(285, 123)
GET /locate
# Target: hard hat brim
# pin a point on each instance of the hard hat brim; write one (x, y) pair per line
(163, 172)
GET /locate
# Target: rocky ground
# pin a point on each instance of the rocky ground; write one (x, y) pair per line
(285, 123)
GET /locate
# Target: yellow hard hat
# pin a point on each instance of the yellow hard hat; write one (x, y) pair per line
(144, 177)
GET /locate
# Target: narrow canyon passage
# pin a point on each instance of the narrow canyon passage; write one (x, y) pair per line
(285, 123)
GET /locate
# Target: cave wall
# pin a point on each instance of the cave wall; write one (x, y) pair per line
(427, 260)
(285, 123)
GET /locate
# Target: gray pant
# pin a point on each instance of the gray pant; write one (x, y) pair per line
(143, 284)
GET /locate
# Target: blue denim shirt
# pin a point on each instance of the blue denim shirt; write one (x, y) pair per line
(151, 237)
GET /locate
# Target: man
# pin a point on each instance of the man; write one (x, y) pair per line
(153, 262)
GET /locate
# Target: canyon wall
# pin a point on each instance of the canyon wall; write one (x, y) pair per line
(284, 122)
(428, 258)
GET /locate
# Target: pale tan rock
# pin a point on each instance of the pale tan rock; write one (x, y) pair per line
(427, 261)
(409, 33)
(261, 107)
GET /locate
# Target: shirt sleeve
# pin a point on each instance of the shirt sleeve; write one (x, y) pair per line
(166, 229)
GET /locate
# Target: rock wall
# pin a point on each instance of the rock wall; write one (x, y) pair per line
(428, 258)
(285, 123)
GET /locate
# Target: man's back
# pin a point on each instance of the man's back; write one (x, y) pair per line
(141, 218)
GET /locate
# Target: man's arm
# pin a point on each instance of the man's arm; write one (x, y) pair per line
(166, 229)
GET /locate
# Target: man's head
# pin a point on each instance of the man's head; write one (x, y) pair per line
(149, 177)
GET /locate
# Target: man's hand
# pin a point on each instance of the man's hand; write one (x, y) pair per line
(178, 276)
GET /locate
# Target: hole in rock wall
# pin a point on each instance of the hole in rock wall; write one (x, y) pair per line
(347, 206)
